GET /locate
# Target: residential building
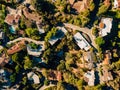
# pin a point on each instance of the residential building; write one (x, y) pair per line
(4, 59)
(54, 75)
(105, 26)
(16, 48)
(35, 52)
(12, 19)
(81, 41)
(116, 3)
(80, 6)
(105, 75)
(39, 26)
(107, 57)
(107, 2)
(31, 16)
(33, 78)
(90, 78)
(71, 2)
(4, 79)
(1, 35)
(88, 57)
(59, 35)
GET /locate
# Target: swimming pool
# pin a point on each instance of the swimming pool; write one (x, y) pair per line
(12, 30)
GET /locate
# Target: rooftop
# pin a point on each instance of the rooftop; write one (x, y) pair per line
(107, 26)
(34, 77)
(90, 77)
(81, 42)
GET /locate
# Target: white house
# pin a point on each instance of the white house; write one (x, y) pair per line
(35, 52)
(81, 42)
(33, 77)
(59, 35)
(107, 26)
(90, 77)
(116, 3)
(1, 35)
(40, 29)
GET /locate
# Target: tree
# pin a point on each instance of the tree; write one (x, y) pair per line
(46, 82)
(28, 64)
(94, 31)
(13, 77)
(99, 41)
(119, 34)
(60, 86)
(103, 9)
(61, 66)
(17, 68)
(15, 58)
(24, 80)
(79, 84)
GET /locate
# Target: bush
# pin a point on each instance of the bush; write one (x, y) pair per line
(46, 82)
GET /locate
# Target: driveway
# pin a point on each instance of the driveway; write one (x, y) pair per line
(84, 30)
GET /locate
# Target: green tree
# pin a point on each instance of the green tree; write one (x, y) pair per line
(61, 66)
(103, 9)
(15, 58)
(24, 80)
(46, 82)
(99, 41)
(28, 64)
(94, 31)
(60, 86)
(13, 77)
(17, 68)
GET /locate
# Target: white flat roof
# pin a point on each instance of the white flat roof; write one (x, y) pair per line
(34, 77)
(108, 26)
(81, 42)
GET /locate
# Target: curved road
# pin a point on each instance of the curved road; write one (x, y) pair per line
(26, 39)
(84, 30)
(45, 87)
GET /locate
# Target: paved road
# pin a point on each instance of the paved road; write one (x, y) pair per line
(84, 30)
(45, 87)
(26, 39)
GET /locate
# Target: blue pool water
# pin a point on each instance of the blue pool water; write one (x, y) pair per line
(12, 30)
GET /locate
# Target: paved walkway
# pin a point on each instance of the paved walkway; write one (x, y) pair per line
(84, 30)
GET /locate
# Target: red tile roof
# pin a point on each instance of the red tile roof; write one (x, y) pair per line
(12, 19)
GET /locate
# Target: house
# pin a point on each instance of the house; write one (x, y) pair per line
(31, 16)
(35, 52)
(89, 77)
(16, 48)
(54, 75)
(59, 35)
(4, 59)
(4, 80)
(1, 35)
(80, 6)
(33, 78)
(12, 19)
(81, 41)
(107, 57)
(88, 57)
(71, 2)
(105, 26)
(105, 75)
(39, 26)
(116, 3)
(107, 2)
